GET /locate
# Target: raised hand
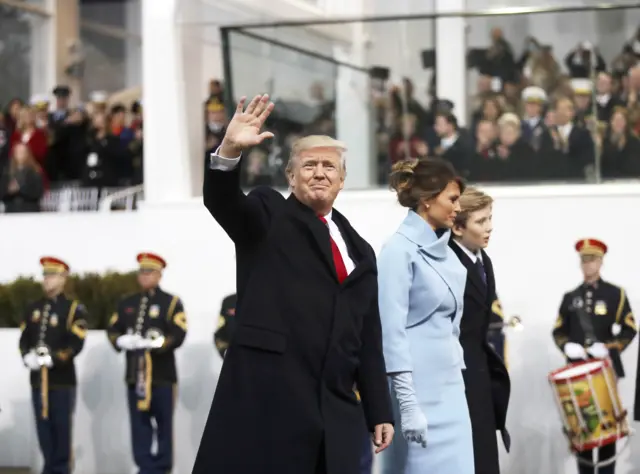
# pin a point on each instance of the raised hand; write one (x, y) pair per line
(244, 129)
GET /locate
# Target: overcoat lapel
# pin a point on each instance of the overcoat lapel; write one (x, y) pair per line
(358, 250)
(434, 254)
(318, 232)
(480, 288)
(320, 236)
(491, 277)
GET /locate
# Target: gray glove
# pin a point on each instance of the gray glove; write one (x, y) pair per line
(413, 421)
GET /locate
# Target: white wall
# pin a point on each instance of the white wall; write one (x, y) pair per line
(532, 249)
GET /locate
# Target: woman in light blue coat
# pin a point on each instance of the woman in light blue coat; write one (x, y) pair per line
(421, 292)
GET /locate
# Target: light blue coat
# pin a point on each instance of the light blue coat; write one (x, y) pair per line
(421, 294)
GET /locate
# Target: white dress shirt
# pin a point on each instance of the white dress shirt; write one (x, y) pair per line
(565, 130)
(448, 142)
(473, 256)
(217, 162)
(533, 121)
(220, 163)
(335, 234)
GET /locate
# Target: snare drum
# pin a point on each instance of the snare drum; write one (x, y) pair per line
(587, 397)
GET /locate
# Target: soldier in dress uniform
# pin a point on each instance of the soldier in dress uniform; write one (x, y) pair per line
(52, 335)
(595, 321)
(149, 326)
(226, 324)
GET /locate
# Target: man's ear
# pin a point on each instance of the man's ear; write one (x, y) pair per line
(457, 230)
(290, 178)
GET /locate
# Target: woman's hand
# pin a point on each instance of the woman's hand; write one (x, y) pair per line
(414, 425)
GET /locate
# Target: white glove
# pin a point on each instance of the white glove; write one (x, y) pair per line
(615, 329)
(45, 361)
(413, 422)
(145, 344)
(157, 343)
(574, 351)
(128, 342)
(598, 350)
(31, 361)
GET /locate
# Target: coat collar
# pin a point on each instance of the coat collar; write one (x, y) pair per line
(473, 275)
(420, 233)
(320, 233)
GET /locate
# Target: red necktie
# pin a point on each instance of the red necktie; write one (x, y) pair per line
(341, 269)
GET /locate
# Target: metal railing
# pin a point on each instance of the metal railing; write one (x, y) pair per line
(123, 199)
(74, 198)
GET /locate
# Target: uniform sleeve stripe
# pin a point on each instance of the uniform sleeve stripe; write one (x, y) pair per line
(72, 313)
(172, 307)
(620, 305)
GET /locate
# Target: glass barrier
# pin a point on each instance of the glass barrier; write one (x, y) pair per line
(301, 85)
(321, 85)
(111, 46)
(15, 54)
(538, 109)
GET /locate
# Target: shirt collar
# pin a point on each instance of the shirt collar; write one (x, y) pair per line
(473, 256)
(592, 286)
(447, 142)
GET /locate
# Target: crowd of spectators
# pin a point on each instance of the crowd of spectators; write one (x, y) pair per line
(46, 145)
(531, 119)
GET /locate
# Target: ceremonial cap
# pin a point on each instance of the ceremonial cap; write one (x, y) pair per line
(40, 101)
(582, 86)
(534, 94)
(53, 265)
(591, 247)
(62, 91)
(151, 261)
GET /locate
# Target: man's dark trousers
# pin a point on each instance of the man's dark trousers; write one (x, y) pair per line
(55, 430)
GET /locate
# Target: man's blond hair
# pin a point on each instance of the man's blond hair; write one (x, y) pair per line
(314, 141)
(471, 200)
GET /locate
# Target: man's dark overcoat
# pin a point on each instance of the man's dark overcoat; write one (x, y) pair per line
(285, 395)
(486, 379)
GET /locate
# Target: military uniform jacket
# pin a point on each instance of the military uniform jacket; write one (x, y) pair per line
(61, 325)
(606, 305)
(152, 310)
(226, 324)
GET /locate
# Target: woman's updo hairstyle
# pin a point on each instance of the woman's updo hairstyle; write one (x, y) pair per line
(418, 180)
